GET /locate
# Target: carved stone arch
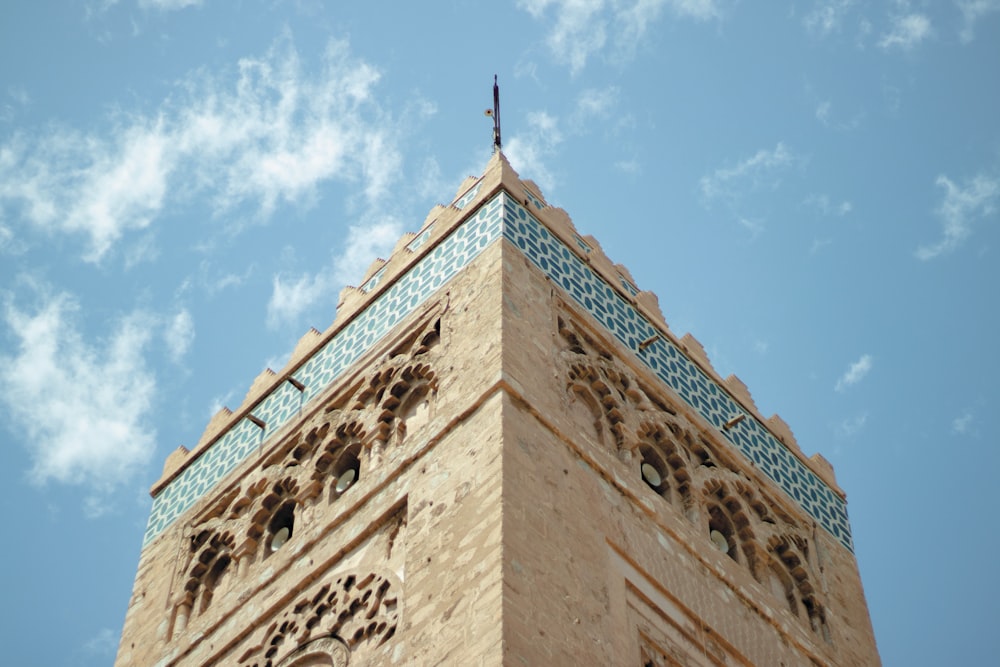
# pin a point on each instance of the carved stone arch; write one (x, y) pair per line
(356, 607)
(578, 342)
(791, 551)
(406, 406)
(339, 464)
(748, 492)
(782, 585)
(590, 385)
(322, 652)
(727, 514)
(655, 447)
(209, 563)
(274, 510)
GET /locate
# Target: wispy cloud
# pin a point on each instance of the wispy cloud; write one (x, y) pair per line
(850, 427)
(762, 169)
(972, 12)
(531, 149)
(855, 373)
(168, 4)
(964, 424)
(828, 207)
(179, 334)
(82, 408)
(159, 5)
(264, 137)
(827, 16)
(961, 207)
(906, 32)
(291, 296)
(824, 114)
(582, 28)
(104, 643)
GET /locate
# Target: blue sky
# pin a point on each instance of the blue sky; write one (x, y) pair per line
(811, 189)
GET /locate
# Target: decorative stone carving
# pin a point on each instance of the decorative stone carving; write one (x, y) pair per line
(355, 607)
(317, 463)
(696, 477)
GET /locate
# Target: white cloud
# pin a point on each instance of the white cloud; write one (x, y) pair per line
(827, 16)
(105, 643)
(824, 114)
(855, 373)
(906, 32)
(159, 5)
(292, 296)
(167, 5)
(848, 428)
(756, 171)
(824, 205)
(584, 27)
(959, 209)
(529, 151)
(267, 136)
(595, 103)
(963, 424)
(755, 227)
(972, 12)
(83, 409)
(179, 334)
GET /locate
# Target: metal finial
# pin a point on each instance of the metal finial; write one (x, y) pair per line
(496, 115)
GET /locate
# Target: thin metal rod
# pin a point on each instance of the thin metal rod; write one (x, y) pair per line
(497, 144)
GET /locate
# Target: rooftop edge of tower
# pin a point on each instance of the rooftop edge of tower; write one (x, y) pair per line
(441, 220)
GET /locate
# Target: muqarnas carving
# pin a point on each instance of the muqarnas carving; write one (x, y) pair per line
(317, 463)
(354, 608)
(695, 473)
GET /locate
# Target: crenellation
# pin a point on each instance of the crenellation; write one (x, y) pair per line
(174, 460)
(372, 269)
(693, 347)
(303, 349)
(260, 386)
(825, 470)
(738, 390)
(783, 431)
(483, 461)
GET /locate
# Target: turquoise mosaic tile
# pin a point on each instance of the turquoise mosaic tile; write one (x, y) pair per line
(535, 201)
(503, 215)
(464, 200)
(284, 402)
(420, 239)
(374, 281)
(674, 368)
(628, 286)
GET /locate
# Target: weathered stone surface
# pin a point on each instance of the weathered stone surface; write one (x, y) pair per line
(496, 482)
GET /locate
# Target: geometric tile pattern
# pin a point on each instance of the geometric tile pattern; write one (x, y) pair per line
(673, 367)
(374, 281)
(502, 215)
(326, 364)
(535, 201)
(464, 200)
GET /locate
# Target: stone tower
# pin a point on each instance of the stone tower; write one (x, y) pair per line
(498, 453)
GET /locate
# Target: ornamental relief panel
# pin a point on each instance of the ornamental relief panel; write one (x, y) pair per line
(694, 475)
(346, 613)
(310, 469)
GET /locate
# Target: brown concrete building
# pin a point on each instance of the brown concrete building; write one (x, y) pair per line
(498, 453)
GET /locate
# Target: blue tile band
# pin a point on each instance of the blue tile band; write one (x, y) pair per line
(503, 215)
(284, 402)
(673, 367)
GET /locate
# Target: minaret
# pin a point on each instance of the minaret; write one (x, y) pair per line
(498, 453)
